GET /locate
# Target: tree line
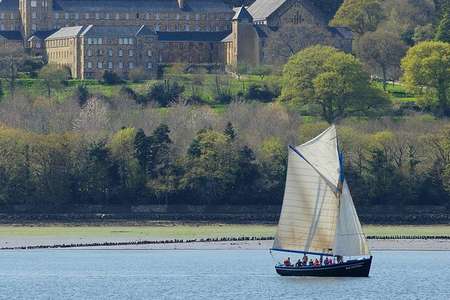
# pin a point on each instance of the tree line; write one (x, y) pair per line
(212, 159)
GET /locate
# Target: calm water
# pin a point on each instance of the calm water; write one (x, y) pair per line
(182, 274)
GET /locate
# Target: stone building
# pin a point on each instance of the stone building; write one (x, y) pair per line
(254, 26)
(180, 31)
(88, 51)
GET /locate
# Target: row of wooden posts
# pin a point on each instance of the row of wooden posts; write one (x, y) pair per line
(202, 240)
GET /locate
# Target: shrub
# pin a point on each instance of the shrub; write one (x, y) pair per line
(111, 78)
(137, 75)
(165, 93)
(261, 93)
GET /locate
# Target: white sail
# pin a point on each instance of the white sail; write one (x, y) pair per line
(350, 240)
(310, 204)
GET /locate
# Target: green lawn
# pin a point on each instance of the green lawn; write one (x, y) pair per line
(189, 231)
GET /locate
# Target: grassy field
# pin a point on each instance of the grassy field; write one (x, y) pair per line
(190, 231)
(206, 85)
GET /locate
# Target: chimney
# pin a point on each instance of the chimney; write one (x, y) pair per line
(181, 4)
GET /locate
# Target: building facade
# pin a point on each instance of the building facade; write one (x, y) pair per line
(178, 31)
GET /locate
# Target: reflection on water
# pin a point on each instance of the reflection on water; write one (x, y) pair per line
(186, 274)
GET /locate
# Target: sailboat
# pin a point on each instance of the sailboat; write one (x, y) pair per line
(318, 217)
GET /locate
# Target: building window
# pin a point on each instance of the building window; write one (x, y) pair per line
(66, 16)
(89, 41)
(120, 65)
(107, 17)
(149, 53)
(197, 17)
(130, 65)
(188, 17)
(130, 52)
(110, 52)
(147, 16)
(97, 16)
(149, 65)
(117, 16)
(77, 16)
(86, 16)
(33, 15)
(89, 65)
(89, 52)
(100, 41)
(33, 27)
(157, 27)
(99, 65)
(178, 16)
(187, 27)
(127, 16)
(120, 52)
(2, 15)
(157, 16)
(130, 41)
(33, 3)
(110, 65)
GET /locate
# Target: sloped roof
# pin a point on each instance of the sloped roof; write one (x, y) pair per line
(195, 36)
(43, 34)
(242, 14)
(262, 9)
(140, 5)
(11, 35)
(66, 32)
(113, 31)
(9, 5)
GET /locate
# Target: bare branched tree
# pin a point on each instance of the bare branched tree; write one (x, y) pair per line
(290, 39)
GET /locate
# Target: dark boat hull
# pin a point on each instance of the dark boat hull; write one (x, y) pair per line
(355, 268)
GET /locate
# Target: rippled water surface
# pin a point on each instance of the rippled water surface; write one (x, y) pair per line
(201, 274)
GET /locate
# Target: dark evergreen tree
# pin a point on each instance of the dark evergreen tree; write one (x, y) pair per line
(159, 155)
(443, 29)
(229, 131)
(82, 95)
(1, 89)
(142, 148)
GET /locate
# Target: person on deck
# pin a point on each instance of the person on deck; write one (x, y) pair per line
(311, 263)
(305, 260)
(326, 261)
(316, 262)
(287, 262)
(299, 263)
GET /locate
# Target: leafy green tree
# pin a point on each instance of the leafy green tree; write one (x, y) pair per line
(359, 15)
(331, 79)
(426, 70)
(443, 29)
(53, 76)
(131, 179)
(210, 167)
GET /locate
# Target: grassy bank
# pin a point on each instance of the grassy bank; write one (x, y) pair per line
(189, 231)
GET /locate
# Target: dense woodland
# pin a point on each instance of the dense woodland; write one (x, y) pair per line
(198, 136)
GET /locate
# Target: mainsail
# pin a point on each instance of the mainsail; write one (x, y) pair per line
(318, 214)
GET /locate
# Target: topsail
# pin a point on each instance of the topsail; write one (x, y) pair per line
(318, 214)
